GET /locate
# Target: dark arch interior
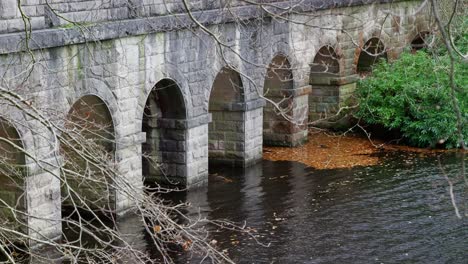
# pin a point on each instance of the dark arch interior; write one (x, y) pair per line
(279, 75)
(12, 173)
(278, 79)
(227, 88)
(90, 131)
(371, 52)
(168, 98)
(325, 61)
(163, 141)
(419, 42)
(224, 132)
(91, 116)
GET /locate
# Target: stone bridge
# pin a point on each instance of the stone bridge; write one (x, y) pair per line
(187, 89)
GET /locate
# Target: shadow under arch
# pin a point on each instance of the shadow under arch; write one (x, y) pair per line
(371, 52)
(277, 87)
(419, 42)
(164, 117)
(325, 62)
(12, 182)
(226, 131)
(88, 148)
(326, 95)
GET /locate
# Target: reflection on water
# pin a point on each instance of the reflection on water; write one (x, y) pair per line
(396, 212)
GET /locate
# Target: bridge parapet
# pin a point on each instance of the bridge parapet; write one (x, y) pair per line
(38, 15)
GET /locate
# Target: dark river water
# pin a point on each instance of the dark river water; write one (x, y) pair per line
(397, 212)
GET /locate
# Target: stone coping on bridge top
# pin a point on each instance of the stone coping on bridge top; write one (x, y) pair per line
(105, 30)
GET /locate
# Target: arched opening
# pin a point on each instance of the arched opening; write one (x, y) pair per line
(164, 149)
(371, 52)
(226, 131)
(325, 62)
(325, 96)
(12, 173)
(420, 41)
(88, 146)
(278, 82)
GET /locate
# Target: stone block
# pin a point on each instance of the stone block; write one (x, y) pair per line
(216, 135)
(213, 145)
(330, 100)
(233, 136)
(8, 9)
(15, 25)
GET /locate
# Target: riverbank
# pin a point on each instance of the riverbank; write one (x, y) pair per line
(329, 150)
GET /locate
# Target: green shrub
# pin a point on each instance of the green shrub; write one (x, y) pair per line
(412, 95)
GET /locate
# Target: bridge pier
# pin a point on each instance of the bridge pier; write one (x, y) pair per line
(174, 151)
(235, 132)
(30, 185)
(292, 130)
(180, 147)
(284, 124)
(43, 202)
(236, 137)
(330, 92)
(128, 155)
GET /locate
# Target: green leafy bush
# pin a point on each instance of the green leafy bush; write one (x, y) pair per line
(412, 95)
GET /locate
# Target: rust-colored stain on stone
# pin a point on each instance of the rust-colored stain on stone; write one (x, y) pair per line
(326, 150)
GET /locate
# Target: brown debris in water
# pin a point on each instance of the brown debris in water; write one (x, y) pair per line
(326, 150)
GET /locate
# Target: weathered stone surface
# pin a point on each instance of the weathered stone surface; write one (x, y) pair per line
(122, 58)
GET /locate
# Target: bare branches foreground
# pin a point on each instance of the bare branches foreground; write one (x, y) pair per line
(78, 152)
(89, 182)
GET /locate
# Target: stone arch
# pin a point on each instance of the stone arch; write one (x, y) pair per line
(278, 85)
(372, 51)
(226, 105)
(12, 177)
(16, 119)
(283, 49)
(164, 122)
(420, 40)
(102, 90)
(167, 72)
(166, 98)
(95, 87)
(90, 128)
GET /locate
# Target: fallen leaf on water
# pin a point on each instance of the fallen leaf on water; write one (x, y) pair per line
(157, 228)
(187, 244)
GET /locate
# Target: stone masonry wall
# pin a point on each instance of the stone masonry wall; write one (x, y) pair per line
(226, 137)
(396, 32)
(129, 57)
